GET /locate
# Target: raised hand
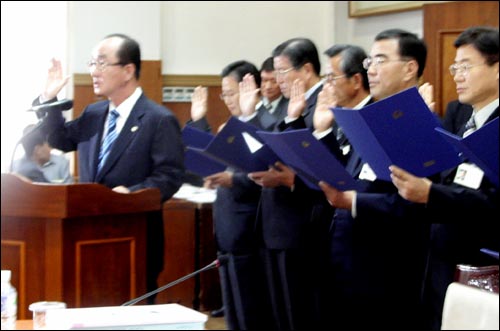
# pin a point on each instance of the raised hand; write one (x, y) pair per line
(323, 116)
(427, 93)
(297, 102)
(249, 95)
(55, 80)
(199, 103)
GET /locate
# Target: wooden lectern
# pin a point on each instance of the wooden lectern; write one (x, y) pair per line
(82, 244)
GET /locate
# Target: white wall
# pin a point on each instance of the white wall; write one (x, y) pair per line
(202, 37)
(91, 21)
(361, 30)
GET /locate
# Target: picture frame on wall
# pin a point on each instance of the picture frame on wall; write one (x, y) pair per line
(372, 8)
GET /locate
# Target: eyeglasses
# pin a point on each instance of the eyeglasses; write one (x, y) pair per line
(333, 79)
(282, 72)
(101, 65)
(462, 69)
(377, 61)
(222, 96)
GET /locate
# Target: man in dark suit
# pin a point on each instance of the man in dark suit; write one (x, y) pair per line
(147, 151)
(294, 219)
(382, 287)
(457, 114)
(463, 209)
(346, 86)
(245, 298)
(273, 101)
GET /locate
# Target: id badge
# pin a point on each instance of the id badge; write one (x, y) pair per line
(469, 175)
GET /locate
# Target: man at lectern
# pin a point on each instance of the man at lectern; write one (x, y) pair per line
(126, 142)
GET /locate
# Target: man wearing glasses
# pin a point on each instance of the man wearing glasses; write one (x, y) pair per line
(126, 142)
(381, 286)
(463, 202)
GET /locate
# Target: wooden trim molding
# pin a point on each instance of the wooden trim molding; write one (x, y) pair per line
(191, 80)
(167, 80)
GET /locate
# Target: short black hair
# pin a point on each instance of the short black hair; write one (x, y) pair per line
(300, 51)
(410, 46)
(239, 69)
(482, 38)
(129, 52)
(267, 65)
(351, 62)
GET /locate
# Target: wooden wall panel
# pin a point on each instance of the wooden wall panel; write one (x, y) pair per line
(443, 22)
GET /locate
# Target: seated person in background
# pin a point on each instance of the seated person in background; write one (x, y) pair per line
(457, 114)
(38, 163)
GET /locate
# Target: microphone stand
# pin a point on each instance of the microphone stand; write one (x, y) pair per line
(214, 264)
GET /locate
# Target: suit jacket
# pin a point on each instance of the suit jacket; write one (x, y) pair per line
(457, 114)
(268, 120)
(292, 219)
(365, 254)
(148, 153)
(235, 209)
(464, 221)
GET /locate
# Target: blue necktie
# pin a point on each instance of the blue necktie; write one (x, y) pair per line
(109, 139)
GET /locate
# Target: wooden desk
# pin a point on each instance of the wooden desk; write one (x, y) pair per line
(82, 244)
(24, 325)
(189, 246)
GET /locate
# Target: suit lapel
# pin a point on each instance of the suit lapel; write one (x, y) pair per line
(131, 128)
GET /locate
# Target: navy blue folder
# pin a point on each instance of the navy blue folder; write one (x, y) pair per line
(230, 148)
(480, 147)
(195, 137)
(309, 158)
(194, 161)
(398, 130)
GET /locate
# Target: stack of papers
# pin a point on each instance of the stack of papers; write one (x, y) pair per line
(149, 317)
(196, 194)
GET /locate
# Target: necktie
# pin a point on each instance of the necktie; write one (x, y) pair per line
(470, 126)
(109, 139)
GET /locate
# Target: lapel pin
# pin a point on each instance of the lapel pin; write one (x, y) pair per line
(134, 128)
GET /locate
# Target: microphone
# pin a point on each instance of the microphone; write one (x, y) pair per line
(221, 260)
(62, 105)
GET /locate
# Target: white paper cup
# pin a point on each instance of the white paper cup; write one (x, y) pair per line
(39, 309)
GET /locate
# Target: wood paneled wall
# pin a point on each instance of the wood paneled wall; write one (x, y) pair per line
(443, 22)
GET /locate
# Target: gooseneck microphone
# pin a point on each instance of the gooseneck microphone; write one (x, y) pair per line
(64, 104)
(221, 260)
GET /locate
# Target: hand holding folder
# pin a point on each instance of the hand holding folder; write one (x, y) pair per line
(480, 147)
(307, 156)
(398, 130)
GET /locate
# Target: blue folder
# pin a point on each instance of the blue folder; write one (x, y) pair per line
(398, 130)
(194, 161)
(195, 137)
(230, 148)
(480, 147)
(309, 158)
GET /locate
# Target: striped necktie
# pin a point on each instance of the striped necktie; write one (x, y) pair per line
(109, 139)
(470, 126)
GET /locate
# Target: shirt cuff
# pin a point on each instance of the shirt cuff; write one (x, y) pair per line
(354, 211)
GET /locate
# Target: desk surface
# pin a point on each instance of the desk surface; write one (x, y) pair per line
(24, 325)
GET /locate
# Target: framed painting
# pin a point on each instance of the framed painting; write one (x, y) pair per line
(371, 8)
